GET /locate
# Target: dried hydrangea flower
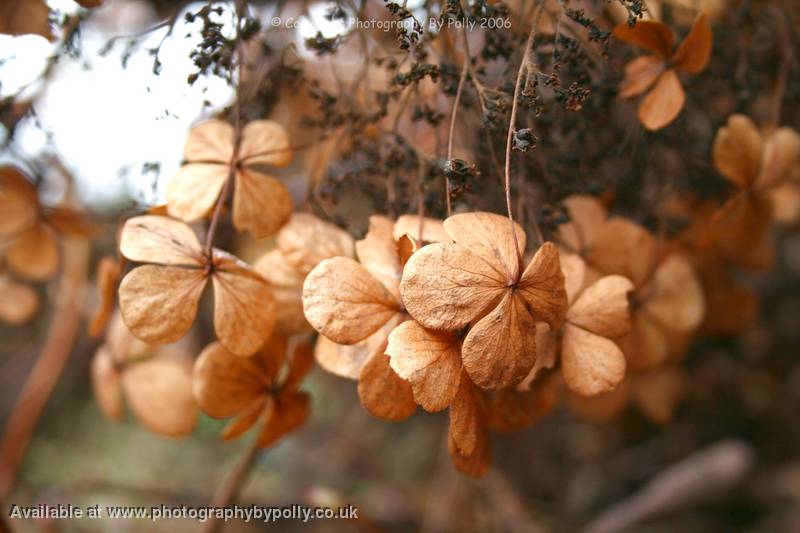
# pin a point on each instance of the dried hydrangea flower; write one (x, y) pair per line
(30, 229)
(657, 74)
(668, 303)
(757, 163)
(262, 389)
(302, 244)
(261, 203)
(355, 305)
(478, 282)
(159, 300)
(154, 381)
(598, 312)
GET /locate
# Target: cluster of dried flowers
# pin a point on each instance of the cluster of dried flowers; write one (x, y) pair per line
(460, 314)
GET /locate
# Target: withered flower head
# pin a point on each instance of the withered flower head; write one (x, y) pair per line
(759, 164)
(159, 300)
(658, 73)
(155, 382)
(302, 244)
(478, 282)
(261, 389)
(261, 203)
(598, 312)
(355, 305)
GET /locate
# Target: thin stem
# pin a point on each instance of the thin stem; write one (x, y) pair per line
(450, 135)
(523, 69)
(61, 337)
(229, 491)
(237, 140)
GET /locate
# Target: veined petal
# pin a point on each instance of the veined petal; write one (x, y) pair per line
(344, 302)
(383, 393)
(542, 286)
(158, 239)
(244, 309)
(603, 307)
(261, 203)
(377, 252)
(430, 361)
(694, 52)
(159, 303)
(500, 350)
(489, 237)
(194, 189)
(591, 364)
(446, 286)
(738, 149)
(210, 141)
(265, 142)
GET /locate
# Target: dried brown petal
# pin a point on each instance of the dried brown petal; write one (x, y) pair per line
(34, 254)
(674, 295)
(194, 189)
(781, 151)
(300, 365)
(432, 229)
(383, 393)
(474, 464)
(430, 361)
(161, 240)
(587, 215)
(663, 103)
(244, 309)
(640, 74)
(591, 364)
(574, 269)
(107, 279)
(210, 141)
(542, 286)
(18, 202)
(489, 236)
(546, 351)
(694, 52)
(646, 346)
(603, 307)
(377, 252)
(737, 151)
(445, 286)
(287, 289)
(346, 360)
(305, 241)
(466, 419)
(18, 302)
(651, 35)
(106, 384)
(509, 332)
(261, 203)
(258, 409)
(290, 411)
(159, 393)
(624, 247)
(225, 384)
(159, 303)
(513, 409)
(344, 302)
(265, 142)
